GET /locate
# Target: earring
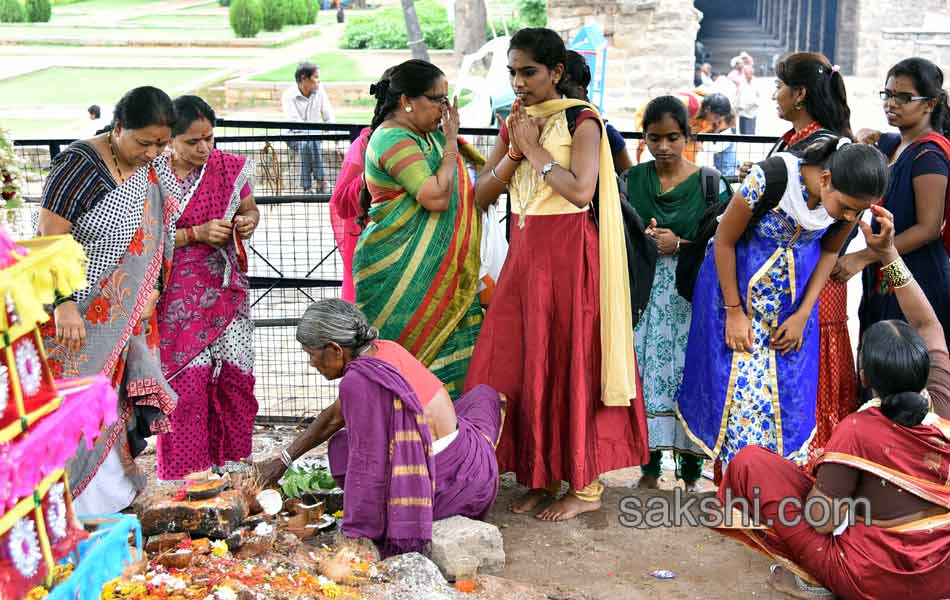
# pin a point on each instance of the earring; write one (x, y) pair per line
(408, 108)
(798, 106)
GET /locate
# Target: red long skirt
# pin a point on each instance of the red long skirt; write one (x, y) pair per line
(540, 346)
(837, 379)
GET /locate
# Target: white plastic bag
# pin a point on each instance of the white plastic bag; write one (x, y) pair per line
(494, 250)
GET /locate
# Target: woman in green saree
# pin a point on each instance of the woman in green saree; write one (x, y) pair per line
(416, 263)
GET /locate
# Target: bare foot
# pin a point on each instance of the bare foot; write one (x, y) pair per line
(648, 482)
(568, 507)
(529, 501)
(783, 580)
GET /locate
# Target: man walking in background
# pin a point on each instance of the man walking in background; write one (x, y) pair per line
(307, 102)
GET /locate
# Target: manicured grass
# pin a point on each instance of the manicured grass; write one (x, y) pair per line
(183, 21)
(113, 35)
(358, 117)
(22, 129)
(91, 6)
(333, 67)
(82, 86)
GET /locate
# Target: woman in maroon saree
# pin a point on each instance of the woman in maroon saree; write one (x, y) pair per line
(892, 456)
(203, 316)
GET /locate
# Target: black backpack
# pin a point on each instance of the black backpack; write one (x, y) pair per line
(641, 249)
(691, 256)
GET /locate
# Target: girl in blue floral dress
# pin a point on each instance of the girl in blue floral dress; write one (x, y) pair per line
(752, 354)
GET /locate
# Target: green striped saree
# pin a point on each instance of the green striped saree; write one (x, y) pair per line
(416, 272)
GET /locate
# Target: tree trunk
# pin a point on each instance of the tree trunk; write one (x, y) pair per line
(471, 23)
(414, 32)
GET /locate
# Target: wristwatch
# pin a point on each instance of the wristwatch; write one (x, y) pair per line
(547, 169)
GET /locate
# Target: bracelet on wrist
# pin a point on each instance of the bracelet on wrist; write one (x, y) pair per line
(897, 273)
(514, 156)
(732, 306)
(285, 458)
(61, 299)
(497, 178)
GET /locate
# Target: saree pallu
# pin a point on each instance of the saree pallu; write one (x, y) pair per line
(543, 345)
(865, 562)
(728, 399)
(345, 209)
(390, 471)
(206, 333)
(124, 236)
(416, 271)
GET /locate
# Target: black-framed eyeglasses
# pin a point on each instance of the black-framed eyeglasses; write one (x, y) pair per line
(901, 97)
(437, 99)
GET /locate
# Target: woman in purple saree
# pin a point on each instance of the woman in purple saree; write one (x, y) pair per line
(407, 456)
(203, 316)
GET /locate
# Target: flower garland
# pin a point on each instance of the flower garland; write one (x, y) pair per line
(24, 547)
(11, 174)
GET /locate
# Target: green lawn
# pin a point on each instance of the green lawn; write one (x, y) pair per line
(91, 6)
(115, 35)
(82, 86)
(334, 66)
(184, 21)
(357, 117)
(22, 129)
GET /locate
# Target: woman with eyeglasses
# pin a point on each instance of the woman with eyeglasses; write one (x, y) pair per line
(416, 264)
(919, 157)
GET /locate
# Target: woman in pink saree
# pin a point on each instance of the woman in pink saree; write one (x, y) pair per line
(345, 208)
(203, 315)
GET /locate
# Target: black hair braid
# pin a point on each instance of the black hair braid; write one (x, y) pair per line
(386, 103)
(940, 120)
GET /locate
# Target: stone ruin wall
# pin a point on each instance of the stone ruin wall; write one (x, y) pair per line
(650, 44)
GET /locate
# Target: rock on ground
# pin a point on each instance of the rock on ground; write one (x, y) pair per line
(459, 544)
(415, 577)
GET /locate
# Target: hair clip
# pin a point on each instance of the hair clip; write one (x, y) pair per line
(842, 142)
(835, 68)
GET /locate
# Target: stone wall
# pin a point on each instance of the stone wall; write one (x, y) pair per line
(886, 32)
(652, 44)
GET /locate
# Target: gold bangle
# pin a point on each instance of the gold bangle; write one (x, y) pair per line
(897, 274)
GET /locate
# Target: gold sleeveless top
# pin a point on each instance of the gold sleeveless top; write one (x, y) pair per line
(530, 195)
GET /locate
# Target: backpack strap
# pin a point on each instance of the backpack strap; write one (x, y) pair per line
(709, 179)
(776, 180)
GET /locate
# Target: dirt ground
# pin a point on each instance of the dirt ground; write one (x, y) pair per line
(595, 557)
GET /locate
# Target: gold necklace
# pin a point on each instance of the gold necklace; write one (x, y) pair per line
(115, 161)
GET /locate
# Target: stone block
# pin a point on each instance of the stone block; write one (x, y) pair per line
(458, 540)
(216, 518)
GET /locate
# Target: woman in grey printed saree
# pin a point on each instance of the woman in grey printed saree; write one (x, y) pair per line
(107, 192)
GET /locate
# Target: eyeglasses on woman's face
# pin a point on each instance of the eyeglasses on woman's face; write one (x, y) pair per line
(901, 98)
(442, 99)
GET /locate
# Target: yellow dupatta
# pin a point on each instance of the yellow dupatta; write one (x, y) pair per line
(618, 361)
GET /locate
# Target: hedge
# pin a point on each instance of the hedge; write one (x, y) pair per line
(386, 28)
(245, 17)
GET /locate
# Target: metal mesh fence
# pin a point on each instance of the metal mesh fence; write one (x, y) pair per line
(292, 256)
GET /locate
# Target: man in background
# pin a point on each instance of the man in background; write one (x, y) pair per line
(307, 102)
